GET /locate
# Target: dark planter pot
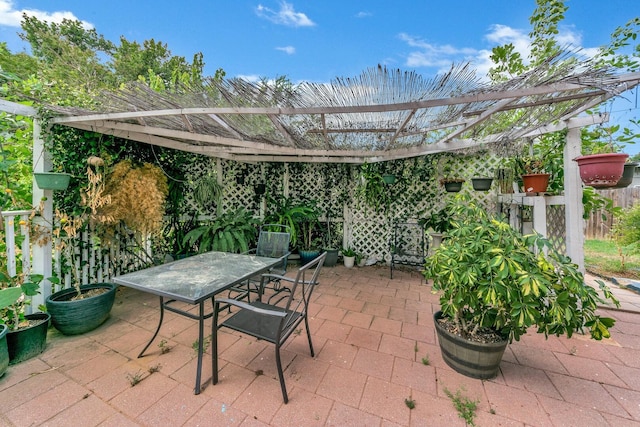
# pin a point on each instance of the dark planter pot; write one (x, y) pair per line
(627, 175)
(308, 256)
(481, 184)
(389, 179)
(453, 187)
(4, 350)
(52, 180)
(472, 359)
(601, 170)
(536, 182)
(25, 343)
(80, 316)
(332, 258)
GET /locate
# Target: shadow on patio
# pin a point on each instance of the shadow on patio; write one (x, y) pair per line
(372, 337)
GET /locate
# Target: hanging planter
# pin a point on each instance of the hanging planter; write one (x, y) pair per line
(481, 184)
(452, 185)
(260, 189)
(601, 170)
(535, 182)
(627, 175)
(52, 180)
(389, 178)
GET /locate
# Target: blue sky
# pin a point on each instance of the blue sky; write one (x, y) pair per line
(321, 40)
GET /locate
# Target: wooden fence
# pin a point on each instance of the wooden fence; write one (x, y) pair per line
(599, 228)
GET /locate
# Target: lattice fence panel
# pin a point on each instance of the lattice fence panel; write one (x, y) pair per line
(556, 227)
(352, 222)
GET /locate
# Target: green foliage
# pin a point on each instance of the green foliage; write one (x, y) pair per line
(293, 214)
(349, 252)
(233, 231)
(411, 404)
(593, 201)
(606, 258)
(13, 297)
(439, 220)
(372, 189)
(466, 407)
(626, 230)
(493, 277)
(15, 161)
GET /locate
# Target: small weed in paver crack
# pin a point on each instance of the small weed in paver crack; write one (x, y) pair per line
(205, 344)
(415, 348)
(135, 378)
(259, 372)
(154, 368)
(466, 407)
(164, 348)
(425, 360)
(410, 403)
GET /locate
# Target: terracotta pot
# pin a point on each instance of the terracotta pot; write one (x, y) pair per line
(535, 183)
(601, 170)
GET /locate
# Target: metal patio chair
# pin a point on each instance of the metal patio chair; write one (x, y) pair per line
(273, 323)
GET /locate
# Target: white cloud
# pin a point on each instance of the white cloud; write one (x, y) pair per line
(289, 50)
(285, 16)
(433, 55)
(253, 78)
(363, 14)
(440, 57)
(12, 17)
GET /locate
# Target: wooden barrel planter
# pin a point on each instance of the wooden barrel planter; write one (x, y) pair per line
(469, 358)
(73, 317)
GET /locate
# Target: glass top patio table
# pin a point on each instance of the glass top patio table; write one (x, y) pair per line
(197, 278)
(194, 280)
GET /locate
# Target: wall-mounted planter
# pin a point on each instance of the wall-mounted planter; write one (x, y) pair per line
(52, 180)
(481, 184)
(601, 170)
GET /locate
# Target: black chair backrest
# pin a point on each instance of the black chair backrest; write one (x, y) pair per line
(273, 241)
(302, 288)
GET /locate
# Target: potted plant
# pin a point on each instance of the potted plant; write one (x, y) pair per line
(602, 165)
(232, 231)
(131, 197)
(329, 246)
(535, 179)
(439, 222)
(310, 239)
(496, 283)
(348, 257)
(22, 336)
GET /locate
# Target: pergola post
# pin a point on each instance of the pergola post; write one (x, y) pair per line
(574, 209)
(42, 254)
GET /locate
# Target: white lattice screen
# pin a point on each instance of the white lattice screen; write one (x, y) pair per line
(359, 226)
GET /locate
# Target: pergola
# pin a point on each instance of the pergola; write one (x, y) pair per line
(381, 115)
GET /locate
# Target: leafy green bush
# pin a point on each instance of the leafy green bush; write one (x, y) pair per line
(626, 229)
(233, 231)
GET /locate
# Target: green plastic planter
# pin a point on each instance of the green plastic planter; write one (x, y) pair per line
(80, 316)
(4, 350)
(25, 343)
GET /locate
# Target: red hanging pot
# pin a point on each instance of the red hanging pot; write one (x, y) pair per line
(601, 170)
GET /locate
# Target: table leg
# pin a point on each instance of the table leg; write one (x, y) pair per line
(200, 347)
(157, 329)
(214, 343)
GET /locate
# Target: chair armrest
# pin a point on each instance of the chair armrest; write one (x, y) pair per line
(249, 252)
(245, 306)
(272, 276)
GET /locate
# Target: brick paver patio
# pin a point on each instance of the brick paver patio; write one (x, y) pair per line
(375, 348)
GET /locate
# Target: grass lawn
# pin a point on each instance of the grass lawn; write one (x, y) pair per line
(603, 258)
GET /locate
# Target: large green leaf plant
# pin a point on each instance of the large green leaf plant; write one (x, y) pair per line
(491, 276)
